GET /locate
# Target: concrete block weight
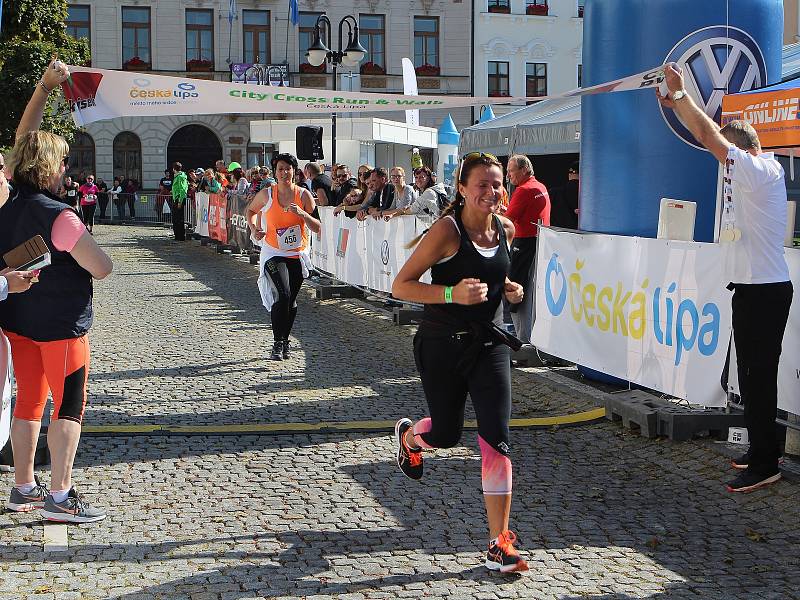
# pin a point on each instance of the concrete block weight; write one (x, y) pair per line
(406, 316)
(328, 292)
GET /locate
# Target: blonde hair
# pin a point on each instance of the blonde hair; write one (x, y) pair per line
(401, 169)
(37, 156)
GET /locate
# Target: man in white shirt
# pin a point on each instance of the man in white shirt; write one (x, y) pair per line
(753, 226)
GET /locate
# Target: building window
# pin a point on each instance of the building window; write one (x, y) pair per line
(499, 6)
(498, 78)
(81, 155)
(308, 21)
(79, 23)
(199, 40)
(373, 37)
(535, 80)
(580, 75)
(426, 45)
(256, 33)
(581, 7)
(135, 38)
(128, 157)
(536, 7)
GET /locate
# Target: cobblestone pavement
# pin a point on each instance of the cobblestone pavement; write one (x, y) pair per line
(180, 338)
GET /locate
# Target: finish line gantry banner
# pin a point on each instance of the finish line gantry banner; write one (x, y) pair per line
(99, 94)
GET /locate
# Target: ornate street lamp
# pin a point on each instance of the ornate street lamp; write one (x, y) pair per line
(319, 53)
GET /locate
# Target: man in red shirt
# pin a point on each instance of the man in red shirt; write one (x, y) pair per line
(530, 203)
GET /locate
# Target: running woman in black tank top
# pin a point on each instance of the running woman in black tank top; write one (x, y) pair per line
(459, 348)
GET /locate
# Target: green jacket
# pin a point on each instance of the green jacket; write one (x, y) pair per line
(180, 187)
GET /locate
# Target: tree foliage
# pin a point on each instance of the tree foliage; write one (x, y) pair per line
(33, 32)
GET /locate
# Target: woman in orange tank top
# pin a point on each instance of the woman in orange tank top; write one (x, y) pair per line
(287, 216)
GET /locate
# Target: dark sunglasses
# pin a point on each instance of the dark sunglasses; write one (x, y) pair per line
(66, 162)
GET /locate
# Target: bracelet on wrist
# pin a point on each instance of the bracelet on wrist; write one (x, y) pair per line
(44, 87)
(448, 294)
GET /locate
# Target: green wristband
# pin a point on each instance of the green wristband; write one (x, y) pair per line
(448, 294)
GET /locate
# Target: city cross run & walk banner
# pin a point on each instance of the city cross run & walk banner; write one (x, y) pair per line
(650, 311)
(201, 213)
(98, 94)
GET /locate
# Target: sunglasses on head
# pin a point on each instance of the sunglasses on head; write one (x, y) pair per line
(476, 155)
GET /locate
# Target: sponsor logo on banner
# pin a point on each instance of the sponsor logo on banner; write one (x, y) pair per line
(341, 245)
(611, 308)
(715, 60)
(142, 94)
(385, 252)
(81, 90)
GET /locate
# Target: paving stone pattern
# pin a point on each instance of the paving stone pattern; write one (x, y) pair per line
(180, 338)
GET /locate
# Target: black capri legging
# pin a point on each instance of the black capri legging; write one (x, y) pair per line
(287, 275)
(488, 384)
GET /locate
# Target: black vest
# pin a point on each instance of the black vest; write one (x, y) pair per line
(468, 262)
(59, 307)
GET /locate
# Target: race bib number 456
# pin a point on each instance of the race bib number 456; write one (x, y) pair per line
(289, 238)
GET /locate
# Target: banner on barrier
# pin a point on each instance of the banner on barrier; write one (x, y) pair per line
(238, 229)
(363, 253)
(98, 94)
(217, 217)
(5, 390)
(654, 312)
(201, 214)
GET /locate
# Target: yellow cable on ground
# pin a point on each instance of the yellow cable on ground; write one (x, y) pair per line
(324, 426)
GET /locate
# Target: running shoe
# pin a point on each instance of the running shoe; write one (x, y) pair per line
(34, 499)
(285, 349)
(748, 481)
(743, 461)
(277, 351)
(408, 459)
(502, 555)
(72, 510)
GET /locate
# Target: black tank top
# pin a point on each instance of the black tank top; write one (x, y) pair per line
(468, 262)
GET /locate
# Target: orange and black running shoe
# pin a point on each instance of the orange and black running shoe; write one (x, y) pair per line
(502, 555)
(408, 459)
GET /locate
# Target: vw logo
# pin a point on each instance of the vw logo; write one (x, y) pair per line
(141, 82)
(385, 252)
(715, 60)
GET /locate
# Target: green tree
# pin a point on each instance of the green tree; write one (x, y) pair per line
(33, 32)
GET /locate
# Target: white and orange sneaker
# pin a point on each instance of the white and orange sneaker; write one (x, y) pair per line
(502, 555)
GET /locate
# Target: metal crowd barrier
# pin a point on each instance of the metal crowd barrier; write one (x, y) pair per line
(140, 207)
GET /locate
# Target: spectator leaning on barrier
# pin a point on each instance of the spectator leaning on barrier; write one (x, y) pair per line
(209, 182)
(404, 194)
(345, 184)
(432, 196)
(381, 195)
(530, 203)
(753, 225)
(180, 191)
(48, 327)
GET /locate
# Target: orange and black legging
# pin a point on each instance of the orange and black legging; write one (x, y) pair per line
(60, 367)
